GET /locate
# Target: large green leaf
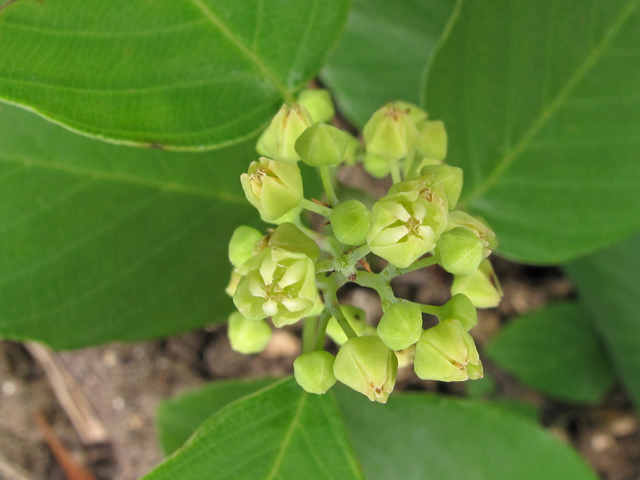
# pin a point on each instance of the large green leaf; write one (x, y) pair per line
(177, 418)
(383, 56)
(101, 242)
(188, 74)
(428, 437)
(542, 104)
(609, 284)
(557, 351)
(279, 433)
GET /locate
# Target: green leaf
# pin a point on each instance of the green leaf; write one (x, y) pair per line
(281, 432)
(184, 74)
(419, 437)
(557, 351)
(102, 242)
(178, 417)
(542, 104)
(609, 285)
(386, 49)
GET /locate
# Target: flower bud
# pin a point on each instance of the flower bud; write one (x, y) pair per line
(400, 326)
(274, 188)
(368, 366)
(351, 222)
(353, 149)
(279, 139)
(432, 140)
(375, 166)
(314, 371)
(444, 353)
(460, 308)
(460, 251)
(289, 237)
(415, 113)
(322, 144)
(390, 133)
(277, 284)
(242, 244)
(248, 336)
(406, 356)
(318, 103)
(458, 218)
(407, 225)
(355, 317)
(482, 287)
(450, 178)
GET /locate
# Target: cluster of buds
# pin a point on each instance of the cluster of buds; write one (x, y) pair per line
(293, 273)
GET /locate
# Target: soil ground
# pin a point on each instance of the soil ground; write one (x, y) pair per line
(124, 384)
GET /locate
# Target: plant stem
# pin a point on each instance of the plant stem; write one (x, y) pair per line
(327, 182)
(394, 165)
(360, 252)
(322, 329)
(380, 284)
(425, 262)
(308, 334)
(329, 286)
(410, 165)
(315, 207)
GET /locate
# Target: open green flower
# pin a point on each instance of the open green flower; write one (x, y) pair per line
(277, 284)
(407, 225)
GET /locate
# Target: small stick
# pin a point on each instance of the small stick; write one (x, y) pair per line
(70, 396)
(72, 469)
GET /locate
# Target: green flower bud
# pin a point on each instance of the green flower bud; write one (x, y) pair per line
(460, 308)
(406, 356)
(444, 353)
(450, 178)
(432, 140)
(233, 284)
(318, 103)
(390, 133)
(400, 326)
(274, 188)
(321, 145)
(458, 218)
(314, 371)
(368, 366)
(475, 372)
(353, 149)
(242, 244)
(482, 287)
(407, 225)
(279, 139)
(415, 113)
(460, 251)
(375, 166)
(289, 237)
(248, 336)
(357, 320)
(277, 284)
(351, 222)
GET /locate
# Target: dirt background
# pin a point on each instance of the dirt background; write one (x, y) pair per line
(124, 384)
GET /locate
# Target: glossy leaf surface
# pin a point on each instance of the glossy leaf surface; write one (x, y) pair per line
(541, 103)
(186, 74)
(557, 351)
(278, 433)
(102, 242)
(609, 286)
(384, 53)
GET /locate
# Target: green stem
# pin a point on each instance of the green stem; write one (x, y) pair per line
(430, 309)
(425, 262)
(308, 334)
(329, 286)
(360, 252)
(380, 284)
(314, 207)
(327, 182)
(410, 166)
(394, 165)
(322, 329)
(325, 266)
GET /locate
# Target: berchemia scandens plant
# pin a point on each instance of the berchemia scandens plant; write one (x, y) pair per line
(292, 273)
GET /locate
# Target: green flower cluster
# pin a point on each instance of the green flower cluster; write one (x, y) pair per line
(293, 273)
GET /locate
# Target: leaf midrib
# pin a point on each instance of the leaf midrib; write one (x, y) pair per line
(544, 116)
(244, 50)
(27, 162)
